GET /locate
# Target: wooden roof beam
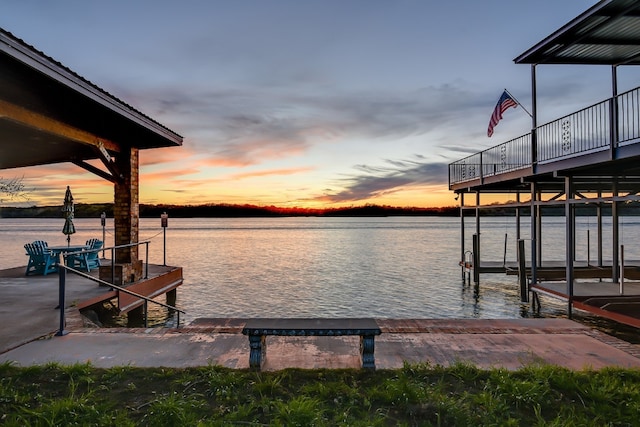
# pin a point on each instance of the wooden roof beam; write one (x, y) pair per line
(38, 121)
(102, 174)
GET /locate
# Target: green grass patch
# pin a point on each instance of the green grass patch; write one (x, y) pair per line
(424, 395)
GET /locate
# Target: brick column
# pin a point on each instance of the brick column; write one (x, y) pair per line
(126, 210)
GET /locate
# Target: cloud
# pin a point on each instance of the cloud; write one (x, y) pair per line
(159, 156)
(383, 180)
(279, 172)
(248, 126)
(240, 127)
(168, 175)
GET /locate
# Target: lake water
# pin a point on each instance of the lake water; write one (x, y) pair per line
(392, 267)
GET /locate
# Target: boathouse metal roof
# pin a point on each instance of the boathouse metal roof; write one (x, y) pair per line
(606, 34)
(50, 114)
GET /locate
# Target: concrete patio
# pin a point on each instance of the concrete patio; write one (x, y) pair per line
(30, 321)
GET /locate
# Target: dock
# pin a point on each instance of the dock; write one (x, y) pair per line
(585, 163)
(29, 309)
(555, 270)
(614, 301)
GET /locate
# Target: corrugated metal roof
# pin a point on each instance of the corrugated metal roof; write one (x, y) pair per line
(606, 34)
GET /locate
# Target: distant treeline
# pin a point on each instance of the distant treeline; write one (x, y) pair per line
(83, 210)
(94, 210)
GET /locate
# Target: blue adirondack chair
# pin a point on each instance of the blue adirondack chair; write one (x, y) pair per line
(87, 259)
(41, 260)
(42, 243)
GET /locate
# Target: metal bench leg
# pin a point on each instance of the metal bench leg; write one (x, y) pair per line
(367, 346)
(258, 350)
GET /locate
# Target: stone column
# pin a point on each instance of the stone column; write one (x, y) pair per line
(126, 213)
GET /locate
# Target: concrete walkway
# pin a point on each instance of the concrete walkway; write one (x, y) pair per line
(485, 343)
(29, 320)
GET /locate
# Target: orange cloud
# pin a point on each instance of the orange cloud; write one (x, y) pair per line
(166, 175)
(255, 151)
(165, 155)
(290, 171)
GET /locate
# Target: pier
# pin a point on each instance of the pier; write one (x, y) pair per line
(584, 163)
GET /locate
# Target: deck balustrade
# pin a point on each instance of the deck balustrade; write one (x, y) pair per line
(586, 131)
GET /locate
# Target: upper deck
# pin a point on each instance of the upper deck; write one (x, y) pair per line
(601, 141)
(597, 145)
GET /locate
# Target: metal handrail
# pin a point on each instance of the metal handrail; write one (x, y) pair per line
(587, 130)
(113, 256)
(62, 271)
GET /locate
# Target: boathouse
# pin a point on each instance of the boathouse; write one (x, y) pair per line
(587, 160)
(49, 114)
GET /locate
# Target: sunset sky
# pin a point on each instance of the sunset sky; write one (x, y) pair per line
(306, 103)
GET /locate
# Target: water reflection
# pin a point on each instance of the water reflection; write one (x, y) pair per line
(399, 267)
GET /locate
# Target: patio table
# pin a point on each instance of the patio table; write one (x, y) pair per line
(57, 250)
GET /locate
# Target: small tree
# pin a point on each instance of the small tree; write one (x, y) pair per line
(13, 189)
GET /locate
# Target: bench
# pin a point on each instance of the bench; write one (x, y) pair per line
(258, 329)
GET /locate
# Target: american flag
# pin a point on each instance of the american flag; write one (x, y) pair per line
(504, 102)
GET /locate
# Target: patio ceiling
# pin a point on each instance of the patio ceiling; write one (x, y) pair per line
(49, 114)
(606, 34)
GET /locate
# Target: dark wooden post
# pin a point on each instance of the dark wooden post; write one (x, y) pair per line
(522, 272)
(570, 240)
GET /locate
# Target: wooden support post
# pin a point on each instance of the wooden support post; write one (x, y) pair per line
(615, 232)
(538, 237)
(621, 269)
(570, 240)
(476, 259)
(599, 214)
(613, 114)
(172, 296)
(535, 302)
(476, 243)
(462, 250)
(518, 217)
(588, 248)
(504, 254)
(534, 225)
(136, 317)
(522, 272)
(62, 278)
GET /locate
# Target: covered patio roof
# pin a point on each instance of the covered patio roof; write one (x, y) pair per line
(606, 34)
(50, 114)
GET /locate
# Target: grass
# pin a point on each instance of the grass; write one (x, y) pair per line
(425, 395)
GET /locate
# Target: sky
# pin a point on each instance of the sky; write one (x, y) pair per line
(306, 103)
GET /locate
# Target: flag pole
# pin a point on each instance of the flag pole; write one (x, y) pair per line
(518, 102)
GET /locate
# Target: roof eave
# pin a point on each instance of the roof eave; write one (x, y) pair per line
(54, 70)
(531, 56)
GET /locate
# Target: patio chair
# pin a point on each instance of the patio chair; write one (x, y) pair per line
(42, 243)
(41, 260)
(87, 259)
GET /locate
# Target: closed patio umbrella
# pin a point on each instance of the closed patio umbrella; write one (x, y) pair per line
(67, 212)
